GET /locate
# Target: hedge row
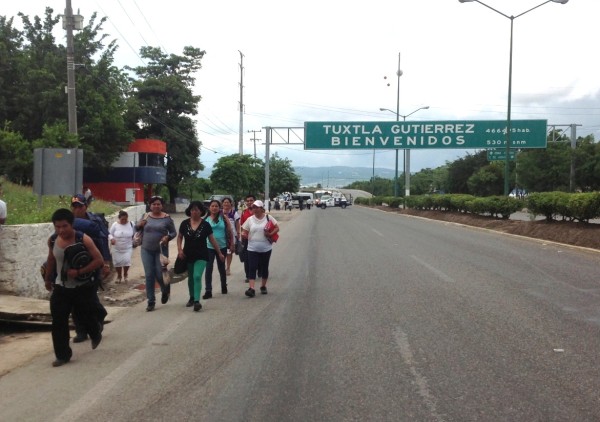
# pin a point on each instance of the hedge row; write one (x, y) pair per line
(495, 206)
(552, 205)
(567, 206)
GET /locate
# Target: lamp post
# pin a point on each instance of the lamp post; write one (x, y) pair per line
(397, 112)
(406, 175)
(508, 117)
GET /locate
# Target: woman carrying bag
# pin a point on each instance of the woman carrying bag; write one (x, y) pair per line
(194, 233)
(261, 231)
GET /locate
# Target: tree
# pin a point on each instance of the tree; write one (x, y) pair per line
(160, 106)
(238, 175)
(282, 177)
(462, 169)
(487, 181)
(429, 180)
(545, 170)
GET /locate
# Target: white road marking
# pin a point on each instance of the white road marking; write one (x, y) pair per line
(379, 233)
(434, 270)
(420, 380)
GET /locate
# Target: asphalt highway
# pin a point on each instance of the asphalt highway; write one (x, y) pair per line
(370, 316)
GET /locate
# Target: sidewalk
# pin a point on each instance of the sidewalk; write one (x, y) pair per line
(19, 348)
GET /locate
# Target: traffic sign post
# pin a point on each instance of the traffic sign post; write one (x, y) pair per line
(449, 134)
(500, 154)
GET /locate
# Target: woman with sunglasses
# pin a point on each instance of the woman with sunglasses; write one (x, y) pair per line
(158, 229)
(260, 246)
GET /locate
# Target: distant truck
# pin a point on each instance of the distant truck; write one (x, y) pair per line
(336, 199)
(306, 197)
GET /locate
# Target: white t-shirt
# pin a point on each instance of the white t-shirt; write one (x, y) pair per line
(257, 241)
(2, 210)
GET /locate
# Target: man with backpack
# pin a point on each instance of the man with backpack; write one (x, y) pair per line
(96, 227)
(72, 259)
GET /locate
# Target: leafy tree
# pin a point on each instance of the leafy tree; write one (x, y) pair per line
(545, 170)
(429, 180)
(238, 175)
(282, 177)
(160, 106)
(487, 181)
(587, 164)
(462, 169)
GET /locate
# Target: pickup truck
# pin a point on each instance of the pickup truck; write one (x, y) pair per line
(330, 201)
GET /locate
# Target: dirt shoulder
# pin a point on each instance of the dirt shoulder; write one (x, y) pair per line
(585, 235)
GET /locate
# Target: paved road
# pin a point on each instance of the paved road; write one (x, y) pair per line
(369, 316)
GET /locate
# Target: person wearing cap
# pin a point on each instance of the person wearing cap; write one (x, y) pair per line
(158, 228)
(95, 227)
(259, 246)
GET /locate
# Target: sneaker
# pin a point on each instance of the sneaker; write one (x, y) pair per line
(164, 298)
(197, 306)
(150, 307)
(189, 302)
(80, 338)
(96, 341)
(60, 362)
(207, 295)
(224, 290)
(250, 292)
(263, 290)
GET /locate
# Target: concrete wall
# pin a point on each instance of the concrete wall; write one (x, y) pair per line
(23, 249)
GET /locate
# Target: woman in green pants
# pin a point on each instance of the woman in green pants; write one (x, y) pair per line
(191, 246)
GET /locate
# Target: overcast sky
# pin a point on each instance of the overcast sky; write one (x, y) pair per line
(327, 60)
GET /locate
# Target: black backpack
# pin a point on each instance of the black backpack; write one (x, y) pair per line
(76, 257)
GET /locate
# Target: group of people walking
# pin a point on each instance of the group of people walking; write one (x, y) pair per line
(206, 237)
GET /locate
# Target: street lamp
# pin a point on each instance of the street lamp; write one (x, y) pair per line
(508, 125)
(406, 173)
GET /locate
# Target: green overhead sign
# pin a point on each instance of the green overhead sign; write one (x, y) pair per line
(448, 134)
(500, 154)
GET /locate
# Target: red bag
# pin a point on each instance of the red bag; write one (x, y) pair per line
(268, 227)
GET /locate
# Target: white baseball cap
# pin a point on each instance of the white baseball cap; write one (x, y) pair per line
(259, 204)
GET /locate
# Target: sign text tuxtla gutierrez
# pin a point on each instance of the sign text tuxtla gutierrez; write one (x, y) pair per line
(470, 134)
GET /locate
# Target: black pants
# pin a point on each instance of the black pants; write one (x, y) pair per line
(258, 262)
(100, 314)
(63, 300)
(212, 256)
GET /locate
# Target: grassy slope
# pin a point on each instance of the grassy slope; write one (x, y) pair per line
(23, 207)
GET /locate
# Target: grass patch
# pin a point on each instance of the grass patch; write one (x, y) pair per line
(23, 205)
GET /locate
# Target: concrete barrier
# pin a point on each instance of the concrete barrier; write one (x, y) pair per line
(23, 249)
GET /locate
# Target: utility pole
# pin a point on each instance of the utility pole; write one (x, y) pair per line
(241, 103)
(69, 24)
(254, 139)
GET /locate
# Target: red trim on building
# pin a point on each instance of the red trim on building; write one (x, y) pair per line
(148, 145)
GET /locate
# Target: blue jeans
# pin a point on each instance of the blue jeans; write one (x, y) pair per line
(153, 272)
(212, 256)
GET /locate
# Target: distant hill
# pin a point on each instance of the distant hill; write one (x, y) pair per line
(339, 176)
(334, 177)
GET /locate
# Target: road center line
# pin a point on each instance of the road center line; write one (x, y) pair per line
(379, 233)
(74, 411)
(434, 270)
